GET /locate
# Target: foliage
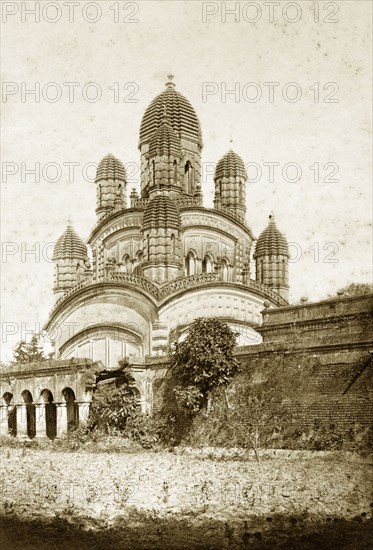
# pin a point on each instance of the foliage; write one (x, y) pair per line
(144, 429)
(28, 353)
(355, 289)
(204, 360)
(111, 407)
(115, 412)
(189, 398)
(324, 436)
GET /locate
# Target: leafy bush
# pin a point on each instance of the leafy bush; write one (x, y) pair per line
(203, 361)
(111, 407)
(189, 398)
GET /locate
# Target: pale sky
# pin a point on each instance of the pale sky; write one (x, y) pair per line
(328, 61)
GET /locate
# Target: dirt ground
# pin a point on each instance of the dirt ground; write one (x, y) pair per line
(206, 499)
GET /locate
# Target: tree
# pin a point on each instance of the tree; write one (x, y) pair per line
(355, 289)
(28, 353)
(203, 361)
(20, 353)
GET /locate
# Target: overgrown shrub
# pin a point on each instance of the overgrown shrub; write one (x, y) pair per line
(203, 362)
(111, 408)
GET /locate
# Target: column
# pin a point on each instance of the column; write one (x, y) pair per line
(61, 413)
(4, 430)
(83, 413)
(22, 421)
(40, 418)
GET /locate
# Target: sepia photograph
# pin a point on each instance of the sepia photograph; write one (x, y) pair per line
(186, 275)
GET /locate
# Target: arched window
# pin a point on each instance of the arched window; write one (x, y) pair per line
(147, 247)
(190, 263)
(240, 192)
(261, 278)
(188, 177)
(153, 171)
(173, 245)
(207, 264)
(137, 267)
(175, 172)
(283, 265)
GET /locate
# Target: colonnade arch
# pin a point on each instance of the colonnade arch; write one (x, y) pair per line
(30, 414)
(72, 409)
(50, 411)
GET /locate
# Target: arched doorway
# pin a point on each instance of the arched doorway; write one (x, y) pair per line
(50, 413)
(30, 413)
(11, 413)
(190, 263)
(72, 410)
(207, 264)
(225, 269)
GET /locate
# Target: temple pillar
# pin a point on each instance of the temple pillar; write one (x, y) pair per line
(61, 415)
(4, 429)
(40, 420)
(22, 421)
(83, 413)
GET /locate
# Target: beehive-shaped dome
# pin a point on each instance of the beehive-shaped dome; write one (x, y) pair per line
(165, 141)
(271, 242)
(161, 211)
(181, 115)
(230, 165)
(70, 246)
(111, 168)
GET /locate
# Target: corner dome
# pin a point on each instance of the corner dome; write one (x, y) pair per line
(70, 246)
(230, 165)
(111, 168)
(271, 241)
(165, 141)
(180, 113)
(161, 211)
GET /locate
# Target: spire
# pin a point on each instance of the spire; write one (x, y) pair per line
(111, 185)
(230, 178)
(272, 258)
(70, 245)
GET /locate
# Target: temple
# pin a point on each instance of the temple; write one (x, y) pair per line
(155, 261)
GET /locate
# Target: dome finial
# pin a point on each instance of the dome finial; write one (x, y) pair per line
(170, 84)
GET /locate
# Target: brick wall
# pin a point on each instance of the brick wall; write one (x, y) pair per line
(318, 371)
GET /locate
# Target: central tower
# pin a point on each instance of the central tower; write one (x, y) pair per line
(170, 145)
